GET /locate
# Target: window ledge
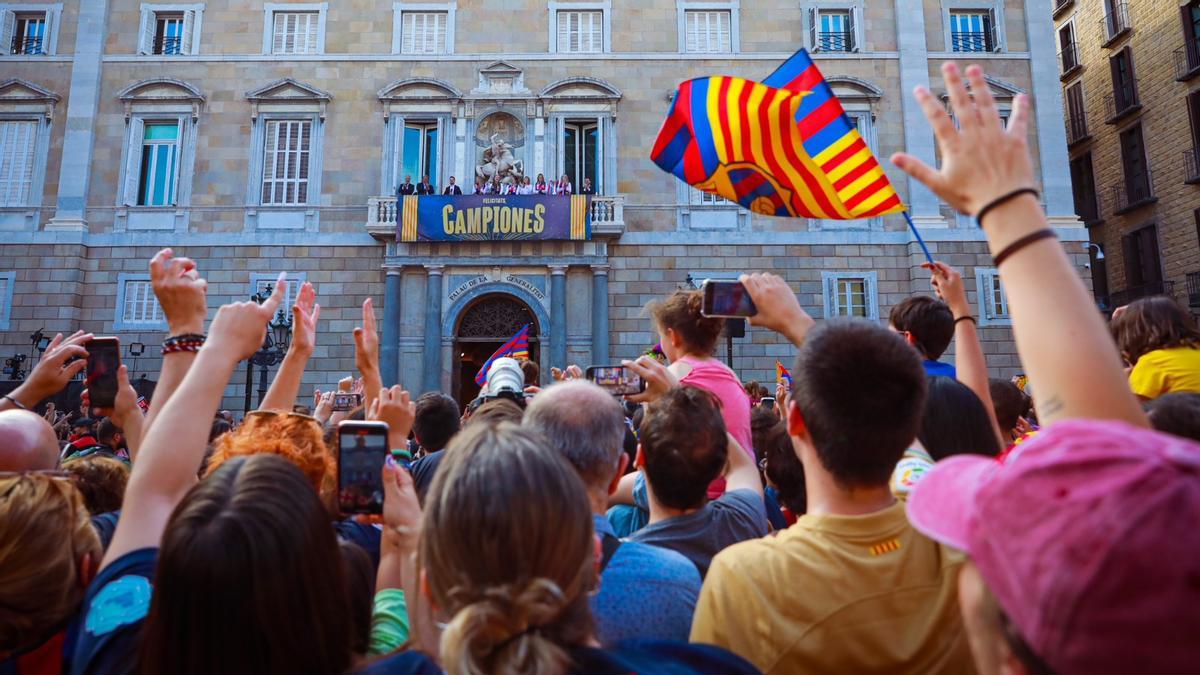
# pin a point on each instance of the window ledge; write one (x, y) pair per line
(1066, 74)
(1135, 206)
(1195, 180)
(1189, 75)
(1079, 141)
(1061, 9)
(1116, 38)
(1120, 115)
(1093, 223)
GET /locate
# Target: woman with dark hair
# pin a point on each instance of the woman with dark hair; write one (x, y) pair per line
(237, 574)
(509, 557)
(1161, 344)
(955, 421)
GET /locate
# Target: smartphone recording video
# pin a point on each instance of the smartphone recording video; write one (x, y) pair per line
(344, 401)
(362, 449)
(103, 360)
(726, 299)
(616, 380)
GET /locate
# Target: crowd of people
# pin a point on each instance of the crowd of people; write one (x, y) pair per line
(497, 186)
(884, 512)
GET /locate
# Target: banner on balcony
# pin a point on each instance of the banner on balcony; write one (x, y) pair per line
(494, 218)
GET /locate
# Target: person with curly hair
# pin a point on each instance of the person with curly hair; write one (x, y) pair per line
(1161, 344)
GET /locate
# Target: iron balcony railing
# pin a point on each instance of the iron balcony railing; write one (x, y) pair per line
(1060, 5)
(1121, 102)
(1122, 298)
(27, 45)
(1187, 62)
(1077, 128)
(835, 41)
(1191, 163)
(1132, 192)
(168, 46)
(1193, 289)
(1115, 21)
(1068, 57)
(972, 42)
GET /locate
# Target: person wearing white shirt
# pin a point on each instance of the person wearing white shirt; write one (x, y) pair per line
(526, 187)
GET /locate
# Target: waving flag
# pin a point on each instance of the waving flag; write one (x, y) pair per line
(783, 147)
(517, 347)
(782, 376)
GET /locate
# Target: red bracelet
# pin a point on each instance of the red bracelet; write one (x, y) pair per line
(183, 343)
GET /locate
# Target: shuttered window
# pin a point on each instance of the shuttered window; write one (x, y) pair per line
(707, 31)
(286, 162)
(141, 307)
(18, 143)
(295, 33)
(581, 32)
(423, 33)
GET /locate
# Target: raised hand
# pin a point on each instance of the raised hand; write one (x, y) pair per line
(778, 308)
(981, 160)
(395, 407)
(181, 292)
(948, 284)
(239, 328)
(366, 340)
(305, 314)
(658, 378)
(401, 508)
(56, 369)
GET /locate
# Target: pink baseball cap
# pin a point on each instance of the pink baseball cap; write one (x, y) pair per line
(1088, 535)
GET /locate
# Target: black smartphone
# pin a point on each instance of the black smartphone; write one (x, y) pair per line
(616, 380)
(343, 401)
(103, 360)
(767, 402)
(727, 299)
(362, 450)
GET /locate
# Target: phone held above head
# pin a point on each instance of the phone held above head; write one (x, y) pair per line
(728, 299)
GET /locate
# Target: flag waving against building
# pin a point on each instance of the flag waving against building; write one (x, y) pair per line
(783, 147)
(517, 347)
(782, 376)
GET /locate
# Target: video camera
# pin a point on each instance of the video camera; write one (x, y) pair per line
(505, 379)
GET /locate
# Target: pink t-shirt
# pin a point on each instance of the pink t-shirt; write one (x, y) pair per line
(716, 378)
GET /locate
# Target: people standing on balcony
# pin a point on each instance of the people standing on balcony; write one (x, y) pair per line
(451, 188)
(562, 187)
(540, 186)
(1161, 344)
(480, 188)
(425, 187)
(407, 187)
(587, 189)
(526, 187)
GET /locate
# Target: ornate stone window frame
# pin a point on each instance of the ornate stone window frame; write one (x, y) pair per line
(421, 98)
(829, 289)
(23, 100)
(580, 98)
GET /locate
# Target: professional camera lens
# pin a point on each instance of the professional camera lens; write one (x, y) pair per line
(505, 377)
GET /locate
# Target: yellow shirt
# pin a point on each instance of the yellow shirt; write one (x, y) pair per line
(1165, 371)
(838, 594)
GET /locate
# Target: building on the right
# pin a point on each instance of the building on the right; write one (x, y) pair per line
(1130, 71)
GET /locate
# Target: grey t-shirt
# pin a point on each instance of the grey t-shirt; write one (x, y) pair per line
(734, 516)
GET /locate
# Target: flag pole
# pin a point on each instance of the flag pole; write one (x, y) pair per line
(917, 234)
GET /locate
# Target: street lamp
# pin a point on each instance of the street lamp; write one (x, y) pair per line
(275, 345)
(136, 349)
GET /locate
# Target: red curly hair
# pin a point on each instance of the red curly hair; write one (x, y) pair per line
(297, 439)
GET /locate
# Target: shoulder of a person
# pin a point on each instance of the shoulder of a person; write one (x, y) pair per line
(648, 656)
(403, 663)
(741, 497)
(661, 562)
(120, 595)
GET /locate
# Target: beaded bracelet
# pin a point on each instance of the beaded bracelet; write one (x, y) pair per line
(188, 342)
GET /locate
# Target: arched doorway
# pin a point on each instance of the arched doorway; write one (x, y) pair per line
(485, 325)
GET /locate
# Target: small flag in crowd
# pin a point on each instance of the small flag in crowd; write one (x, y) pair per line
(517, 347)
(783, 147)
(782, 376)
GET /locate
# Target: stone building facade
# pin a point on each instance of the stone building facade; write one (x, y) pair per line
(1132, 108)
(260, 136)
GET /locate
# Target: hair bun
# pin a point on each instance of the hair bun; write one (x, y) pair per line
(501, 615)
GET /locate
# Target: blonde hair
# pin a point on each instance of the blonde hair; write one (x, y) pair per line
(509, 553)
(45, 531)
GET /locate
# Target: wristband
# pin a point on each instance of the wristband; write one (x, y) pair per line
(15, 402)
(1001, 200)
(1022, 243)
(188, 342)
(966, 317)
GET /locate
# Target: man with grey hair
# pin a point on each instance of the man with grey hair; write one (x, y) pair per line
(645, 591)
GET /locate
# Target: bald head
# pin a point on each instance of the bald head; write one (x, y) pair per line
(27, 443)
(584, 423)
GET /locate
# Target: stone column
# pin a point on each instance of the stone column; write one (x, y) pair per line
(558, 316)
(389, 351)
(78, 143)
(918, 136)
(1048, 115)
(599, 314)
(433, 328)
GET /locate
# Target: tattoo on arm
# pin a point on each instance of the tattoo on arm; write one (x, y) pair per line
(1050, 407)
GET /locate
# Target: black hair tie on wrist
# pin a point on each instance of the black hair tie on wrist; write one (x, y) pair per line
(1022, 243)
(966, 317)
(1001, 200)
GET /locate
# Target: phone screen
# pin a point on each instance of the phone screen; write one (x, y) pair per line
(104, 358)
(362, 449)
(616, 380)
(727, 298)
(343, 401)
